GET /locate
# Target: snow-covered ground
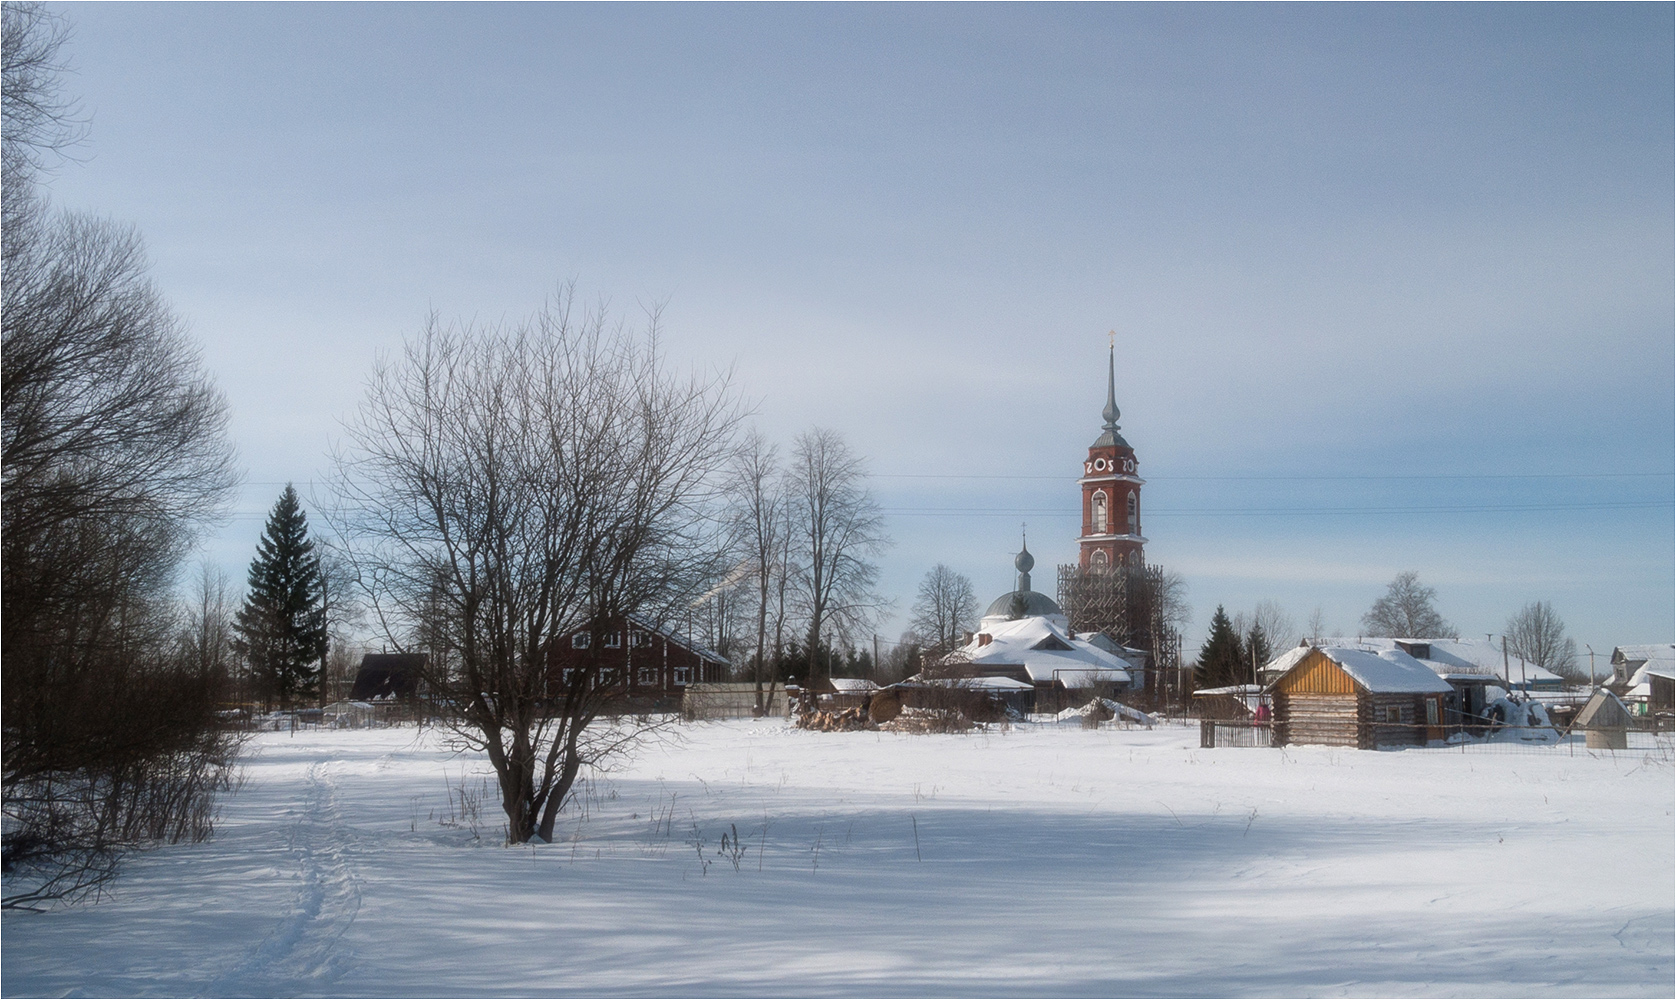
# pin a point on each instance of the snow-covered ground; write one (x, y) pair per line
(1038, 860)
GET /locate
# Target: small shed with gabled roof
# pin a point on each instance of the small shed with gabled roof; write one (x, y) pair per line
(1337, 696)
(1605, 721)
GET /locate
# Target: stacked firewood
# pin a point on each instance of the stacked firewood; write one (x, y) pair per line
(849, 720)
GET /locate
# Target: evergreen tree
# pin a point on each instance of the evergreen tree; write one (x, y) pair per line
(1222, 658)
(1257, 649)
(282, 626)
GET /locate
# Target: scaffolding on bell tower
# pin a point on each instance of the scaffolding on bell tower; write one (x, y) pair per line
(1127, 604)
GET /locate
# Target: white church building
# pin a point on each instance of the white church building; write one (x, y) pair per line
(1025, 637)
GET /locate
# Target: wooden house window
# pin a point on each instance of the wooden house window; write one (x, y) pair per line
(648, 675)
(614, 640)
(579, 640)
(1393, 713)
(1431, 711)
(640, 639)
(683, 675)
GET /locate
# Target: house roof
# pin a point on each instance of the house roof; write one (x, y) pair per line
(853, 685)
(1386, 671)
(973, 683)
(387, 675)
(702, 652)
(1456, 658)
(1640, 653)
(1047, 653)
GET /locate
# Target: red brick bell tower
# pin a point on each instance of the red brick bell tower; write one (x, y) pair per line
(1111, 492)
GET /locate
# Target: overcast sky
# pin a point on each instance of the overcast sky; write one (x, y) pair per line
(1392, 286)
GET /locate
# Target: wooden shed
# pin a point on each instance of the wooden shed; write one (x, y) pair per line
(1360, 698)
(1605, 721)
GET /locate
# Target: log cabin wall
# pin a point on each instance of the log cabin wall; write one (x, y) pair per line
(1317, 719)
(1316, 703)
(1392, 719)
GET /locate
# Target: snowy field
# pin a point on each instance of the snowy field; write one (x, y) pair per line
(1042, 860)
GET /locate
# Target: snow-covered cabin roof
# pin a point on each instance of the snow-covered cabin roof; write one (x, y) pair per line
(853, 685)
(1047, 652)
(1384, 671)
(1285, 661)
(1457, 658)
(971, 683)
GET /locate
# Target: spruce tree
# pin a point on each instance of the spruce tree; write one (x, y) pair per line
(1257, 648)
(1221, 659)
(282, 625)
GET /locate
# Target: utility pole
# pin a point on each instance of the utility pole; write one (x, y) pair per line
(1591, 650)
(876, 672)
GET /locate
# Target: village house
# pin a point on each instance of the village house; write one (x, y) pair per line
(1642, 676)
(1355, 697)
(1471, 667)
(388, 677)
(655, 665)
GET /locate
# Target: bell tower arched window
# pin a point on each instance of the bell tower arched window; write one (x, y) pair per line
(1134, 515)
(1098, 558)
(1101, 519)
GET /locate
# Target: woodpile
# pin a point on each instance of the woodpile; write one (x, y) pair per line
(849, 720)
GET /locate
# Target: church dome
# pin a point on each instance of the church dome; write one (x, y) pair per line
(1034, 604)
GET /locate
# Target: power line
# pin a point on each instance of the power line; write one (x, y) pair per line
(1065, 477)
(1290, 511)
(1297, 478)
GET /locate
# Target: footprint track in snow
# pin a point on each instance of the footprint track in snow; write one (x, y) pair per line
(302, 953)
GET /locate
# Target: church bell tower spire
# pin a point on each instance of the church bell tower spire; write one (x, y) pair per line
(1111, 412)
(1111, 491)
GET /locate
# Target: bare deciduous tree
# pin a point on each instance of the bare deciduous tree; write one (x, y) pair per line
(1537, 634)
(945, 609)
(1268, 617)
(760, 510)
(37, 118)
(839, 529)
(1407, 611)
(113, 457)
(207, 630)
(1317, 627)
(505, 488)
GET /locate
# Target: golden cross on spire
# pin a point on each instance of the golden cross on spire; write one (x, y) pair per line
(1112, 336)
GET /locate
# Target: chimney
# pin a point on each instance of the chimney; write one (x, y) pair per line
(984, 638)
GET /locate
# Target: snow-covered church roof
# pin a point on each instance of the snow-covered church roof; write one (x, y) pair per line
(1047, 651)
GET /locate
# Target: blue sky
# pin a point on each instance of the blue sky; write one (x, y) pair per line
(1392, 285)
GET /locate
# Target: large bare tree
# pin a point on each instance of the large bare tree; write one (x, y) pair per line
(506, 487)
(944, 610)
(760, 512)
(1537, 634)
(839, 530)
(1407, 611)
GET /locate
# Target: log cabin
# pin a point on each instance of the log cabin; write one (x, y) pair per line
(1337, 696)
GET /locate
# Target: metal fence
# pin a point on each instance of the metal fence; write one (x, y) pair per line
(1645, 743)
